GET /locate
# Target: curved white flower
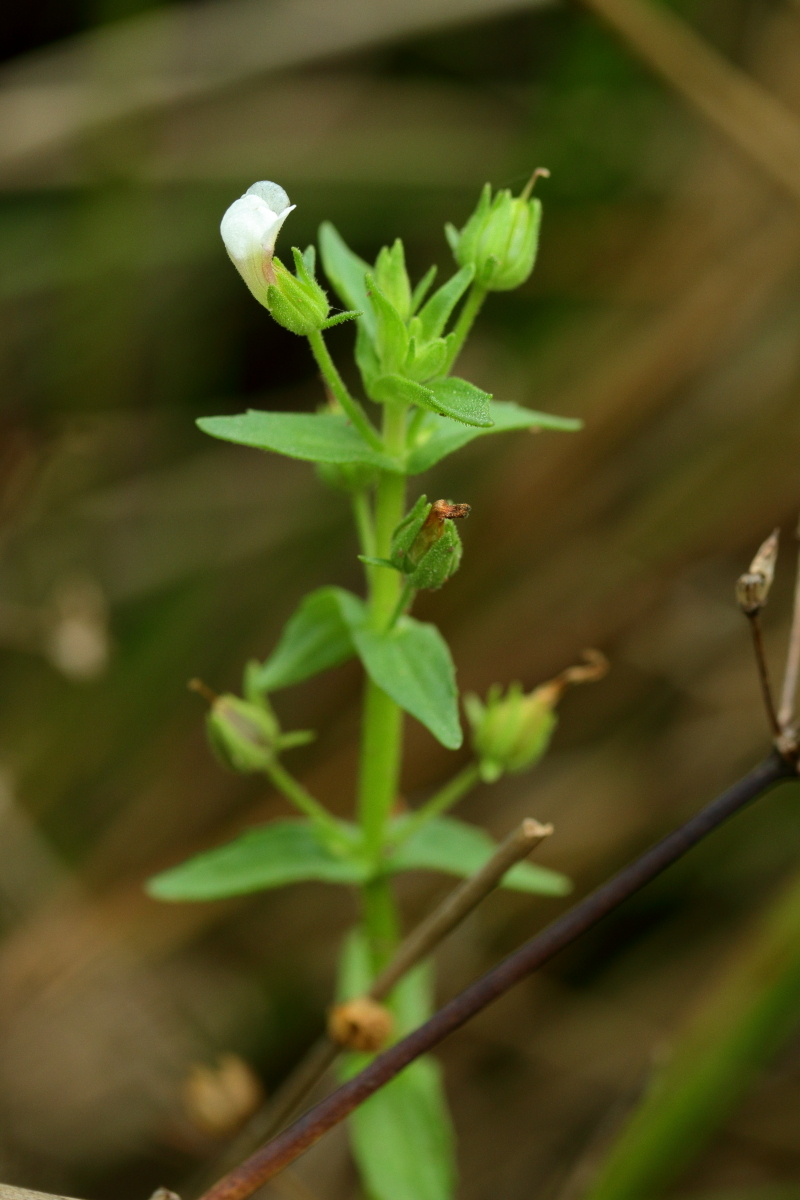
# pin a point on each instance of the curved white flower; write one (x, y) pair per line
(249, 229)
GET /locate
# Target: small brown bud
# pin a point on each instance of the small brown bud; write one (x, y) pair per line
(433, 527)
(360, 1024)
(752, 588)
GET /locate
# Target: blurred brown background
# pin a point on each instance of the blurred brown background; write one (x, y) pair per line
(136, 553)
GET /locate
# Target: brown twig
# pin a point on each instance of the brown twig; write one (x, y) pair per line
(752, 593)
(763, 672)
(789, 691)
(287, 1146)
(413, 949)
(459, 904)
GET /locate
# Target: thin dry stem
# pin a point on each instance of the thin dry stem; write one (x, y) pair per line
(459, 904)
(789, 691)
(763, 673)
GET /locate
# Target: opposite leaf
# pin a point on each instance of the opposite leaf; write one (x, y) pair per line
(314, 639)
(439, 436)
(461, 400)
(412, 664)
(402, 1137)
(446, 844)
(314, 437)
(271, 856)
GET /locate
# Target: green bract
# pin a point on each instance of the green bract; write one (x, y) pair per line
(511, 732)
(297, 301)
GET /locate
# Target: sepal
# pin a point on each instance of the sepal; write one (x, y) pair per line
(297, 301)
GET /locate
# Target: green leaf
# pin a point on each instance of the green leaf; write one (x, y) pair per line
(314, 437)
(412, 664)
(396, 389)
(315, 638)
(439, 436)
(391, 340)
(446, 844)
(402, 1138)
(436, 313)
(391, 277)
(403, 1144)
(427, 362)
(421, 290)
(271, 856)
(461, 400)
(346, 272)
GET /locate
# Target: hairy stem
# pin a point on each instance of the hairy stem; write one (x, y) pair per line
(472, 306)
(382, 728)
(337, 385)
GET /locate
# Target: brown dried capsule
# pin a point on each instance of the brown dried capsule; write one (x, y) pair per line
(360, 1024)
(752, 588)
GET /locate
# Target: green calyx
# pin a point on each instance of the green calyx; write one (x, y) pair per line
(426, 546)
(297, 301)
(500, 240)
(245, 736)
(511, 732)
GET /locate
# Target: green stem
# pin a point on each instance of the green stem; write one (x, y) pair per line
(337, 385)
(364, 523)
(297, 794)
(472, 306)
(406, 596)
(380, 920)
(382, 729)
(445, 798)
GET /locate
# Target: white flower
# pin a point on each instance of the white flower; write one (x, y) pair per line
(249, 229)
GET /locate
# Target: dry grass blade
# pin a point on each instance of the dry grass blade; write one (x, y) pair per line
(755, 121)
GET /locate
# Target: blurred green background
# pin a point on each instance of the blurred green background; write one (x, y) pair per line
(136, 553)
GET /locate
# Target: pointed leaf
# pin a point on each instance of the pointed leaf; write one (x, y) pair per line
(271, 856)
(402, 1137)
(446, 844)
(315, 638)
(391, 339)
(314, 437)
(436, 313)
(396, 389)
(421, 290)
(461, 400)
(439, 436)
(412, 664)
(346, 272)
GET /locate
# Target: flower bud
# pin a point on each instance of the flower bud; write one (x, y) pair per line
(243, 736)
(501, 238)
(426, 546)
(360, 1024)
(297, 301)
(512, 732)
(752, 588)
(249, 229)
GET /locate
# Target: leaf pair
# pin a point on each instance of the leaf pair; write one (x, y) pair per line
(411, 663)
(330, 438)
(290, 851)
